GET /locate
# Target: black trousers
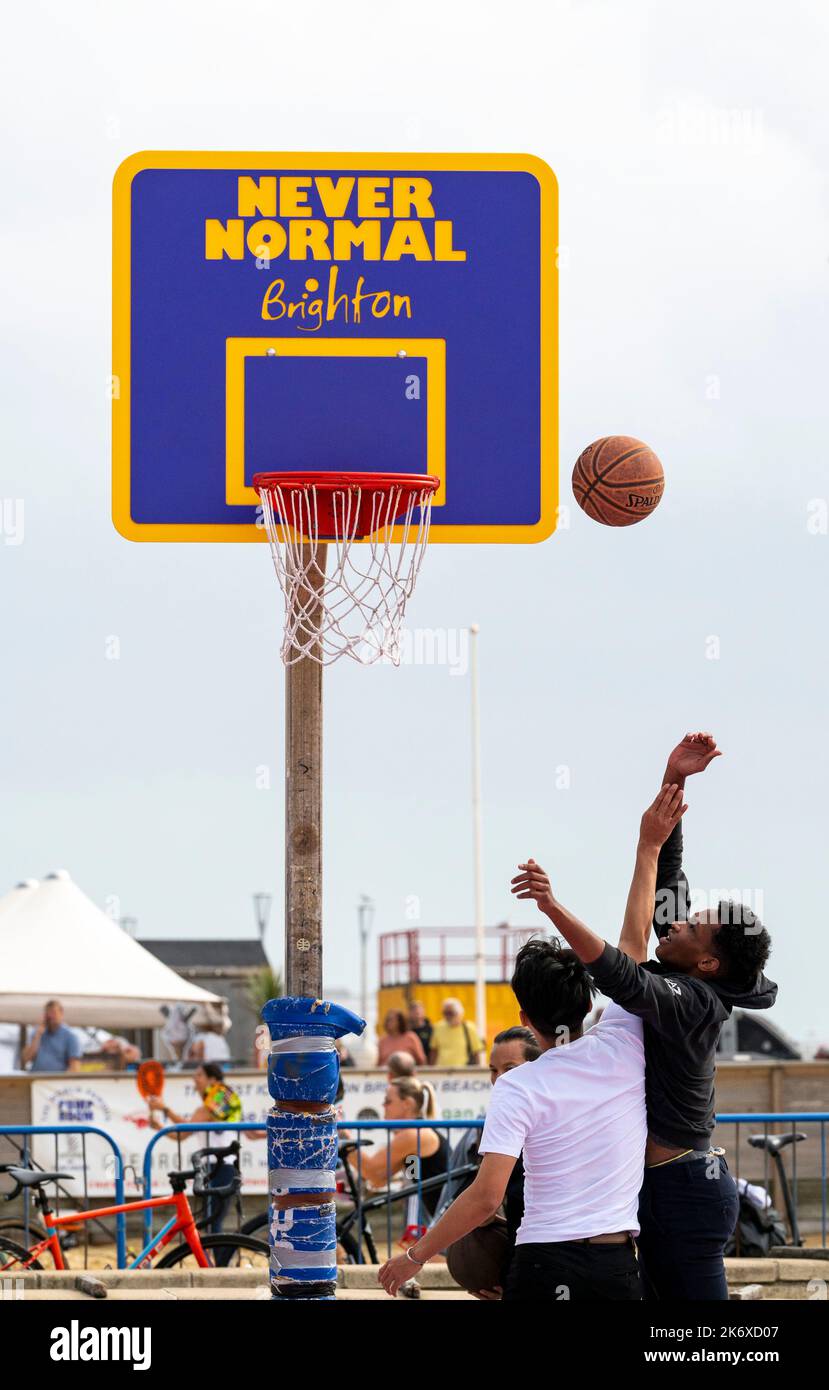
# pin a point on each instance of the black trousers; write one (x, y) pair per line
(216, 1207)
(572, 1271)
(687, 1211)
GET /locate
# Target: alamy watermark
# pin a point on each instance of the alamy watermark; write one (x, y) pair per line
(744, 905)
(699, 124)
(447, 647)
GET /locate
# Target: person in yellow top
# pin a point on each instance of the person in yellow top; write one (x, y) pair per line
(455, 1042)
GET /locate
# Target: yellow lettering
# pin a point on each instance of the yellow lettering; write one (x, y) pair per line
(315, 315)
(402, 303)
(308, 238)
(358, 297)
(335, 300)
(273, 295)
(444, 250)
(334, 195)
(293, 199)
(256, 196)
(412, 193)
(266, 239)
(371, 197)
(346, 235)
(220, 240)
(407, 239)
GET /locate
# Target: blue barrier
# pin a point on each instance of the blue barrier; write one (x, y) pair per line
(186, 1127)
(57, 1130)
(789, 1118)
(760, 1119)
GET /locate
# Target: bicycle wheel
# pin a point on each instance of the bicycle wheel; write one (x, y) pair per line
(230, 1251)
(13, 1228)
(255, 1224)
(14, 1258)
(350, 1247)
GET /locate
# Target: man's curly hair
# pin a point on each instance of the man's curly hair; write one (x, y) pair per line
(741, 944)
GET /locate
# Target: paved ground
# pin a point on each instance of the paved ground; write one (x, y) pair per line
(759, 1279)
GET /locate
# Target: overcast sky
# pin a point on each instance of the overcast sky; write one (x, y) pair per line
(690, 144)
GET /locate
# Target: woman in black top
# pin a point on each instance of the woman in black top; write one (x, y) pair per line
(407, 1098)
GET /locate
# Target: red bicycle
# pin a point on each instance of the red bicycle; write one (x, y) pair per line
(195, 1248)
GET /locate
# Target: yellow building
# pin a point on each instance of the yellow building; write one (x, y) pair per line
(432, 963)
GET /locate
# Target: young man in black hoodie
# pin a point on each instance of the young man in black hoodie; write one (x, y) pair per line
(706, 965)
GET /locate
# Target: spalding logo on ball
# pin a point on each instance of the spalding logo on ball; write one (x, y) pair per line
(618, 480)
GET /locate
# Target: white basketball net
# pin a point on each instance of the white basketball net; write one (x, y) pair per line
(345, 597)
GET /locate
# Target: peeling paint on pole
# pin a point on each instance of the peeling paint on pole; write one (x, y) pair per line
(303, 1074)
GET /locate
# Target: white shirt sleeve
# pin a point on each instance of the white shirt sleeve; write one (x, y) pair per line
(508, 1120)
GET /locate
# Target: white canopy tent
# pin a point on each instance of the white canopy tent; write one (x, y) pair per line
(56, 944)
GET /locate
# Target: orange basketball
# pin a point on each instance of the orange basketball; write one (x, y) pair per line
(618, 480)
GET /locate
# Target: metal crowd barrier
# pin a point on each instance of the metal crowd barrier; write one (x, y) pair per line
(207, 1127)
(25, 1131)
(785, 1121)
(353, 1203)
(407, 1200)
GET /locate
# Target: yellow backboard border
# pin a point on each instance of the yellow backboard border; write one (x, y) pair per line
(237, 492)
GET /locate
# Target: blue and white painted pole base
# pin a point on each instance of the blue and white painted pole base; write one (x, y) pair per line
(303, 1075)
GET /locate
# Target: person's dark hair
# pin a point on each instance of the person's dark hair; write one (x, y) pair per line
(213, 1070)
(400, 1018)
(552, 986)
(522, 1035)
(741, 943)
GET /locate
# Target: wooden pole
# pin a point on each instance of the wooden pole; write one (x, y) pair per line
(303, 812)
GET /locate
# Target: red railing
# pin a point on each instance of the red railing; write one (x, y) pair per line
(447, 953)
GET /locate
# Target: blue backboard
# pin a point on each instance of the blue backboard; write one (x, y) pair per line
(361, 313)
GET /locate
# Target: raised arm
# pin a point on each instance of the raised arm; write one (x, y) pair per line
(661, 820)
(532, 882)
(692, 755)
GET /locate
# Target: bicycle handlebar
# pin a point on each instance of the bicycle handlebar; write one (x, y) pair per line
(228, 1151)
(346, 1145)
(205, 1161)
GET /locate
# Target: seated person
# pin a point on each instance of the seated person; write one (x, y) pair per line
(407, 1099)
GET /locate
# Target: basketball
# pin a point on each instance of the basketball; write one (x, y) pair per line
(618, 480)
(476, 1261)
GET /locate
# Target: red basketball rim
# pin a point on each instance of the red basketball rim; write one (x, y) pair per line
(366, 486)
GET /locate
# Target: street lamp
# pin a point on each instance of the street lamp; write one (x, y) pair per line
(262, 910)
(477, 823)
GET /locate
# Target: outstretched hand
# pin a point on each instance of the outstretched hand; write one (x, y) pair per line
(692, 755)
(532, 882)
(662, 816)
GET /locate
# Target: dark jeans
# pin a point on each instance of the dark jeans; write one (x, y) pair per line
(216, 1207)
(687, 1211)
(569, 1270)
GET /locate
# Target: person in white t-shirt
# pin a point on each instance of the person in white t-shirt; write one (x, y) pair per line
(578, 1114)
